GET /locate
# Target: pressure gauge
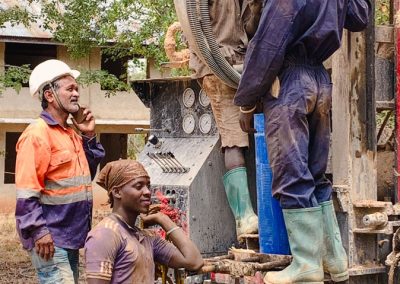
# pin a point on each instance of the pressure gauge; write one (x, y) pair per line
(205, 123)
(188, 97)
(204, 99)
(188, 123)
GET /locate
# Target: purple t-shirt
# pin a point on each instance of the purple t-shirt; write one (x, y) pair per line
(119, 253)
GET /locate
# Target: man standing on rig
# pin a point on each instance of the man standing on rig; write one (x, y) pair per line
(293, 39)
(233, 23)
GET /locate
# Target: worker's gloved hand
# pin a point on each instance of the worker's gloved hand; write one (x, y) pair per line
(45, 247)
(246, 121)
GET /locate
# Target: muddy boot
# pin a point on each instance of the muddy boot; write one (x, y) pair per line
(304, 228)
(237, 192)
(335, 258)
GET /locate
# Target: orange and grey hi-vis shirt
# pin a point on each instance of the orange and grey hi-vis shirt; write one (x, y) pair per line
(53, 181)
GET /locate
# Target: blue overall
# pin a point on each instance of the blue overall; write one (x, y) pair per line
(293, 39)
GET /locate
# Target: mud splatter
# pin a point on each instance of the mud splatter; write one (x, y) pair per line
(175, 214)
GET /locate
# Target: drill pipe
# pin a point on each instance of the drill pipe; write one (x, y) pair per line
(249, 268)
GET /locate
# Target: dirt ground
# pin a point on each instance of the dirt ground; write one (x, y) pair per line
(15, 264)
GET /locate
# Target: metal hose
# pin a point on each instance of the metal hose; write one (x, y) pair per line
(202, 43)
(214, 46)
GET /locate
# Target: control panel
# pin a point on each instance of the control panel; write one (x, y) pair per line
(178, 108)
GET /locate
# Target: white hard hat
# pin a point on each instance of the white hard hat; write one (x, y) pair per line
(48, 71)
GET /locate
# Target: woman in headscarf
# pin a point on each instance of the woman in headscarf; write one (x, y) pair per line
(116, 251)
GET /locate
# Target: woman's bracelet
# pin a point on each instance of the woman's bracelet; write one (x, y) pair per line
(247, 111)
(172, 230)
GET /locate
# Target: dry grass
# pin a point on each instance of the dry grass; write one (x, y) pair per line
(15, 264)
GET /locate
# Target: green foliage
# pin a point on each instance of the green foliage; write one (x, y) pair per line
(184, 71)
(108, 82)
(69, 21)
(382, 12)
(16, 15)
(122, 28)
(136, 143)
(14, 77)
(138, 76)
(134, 27)
(380, 117)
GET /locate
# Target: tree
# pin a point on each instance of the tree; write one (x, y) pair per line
(134, 28)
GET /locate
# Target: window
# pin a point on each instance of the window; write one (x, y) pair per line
(116, 67)
(10, 157)
(18, 54)
(137, 69)
(115, 146)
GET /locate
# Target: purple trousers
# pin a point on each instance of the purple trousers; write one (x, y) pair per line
(297, 130)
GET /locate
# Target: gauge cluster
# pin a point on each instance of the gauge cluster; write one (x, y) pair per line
(197, 116)
(178, 108)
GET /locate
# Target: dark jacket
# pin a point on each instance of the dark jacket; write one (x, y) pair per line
(306, 29)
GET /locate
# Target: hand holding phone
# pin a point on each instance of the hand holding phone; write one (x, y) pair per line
(79, 116)
(83, 120)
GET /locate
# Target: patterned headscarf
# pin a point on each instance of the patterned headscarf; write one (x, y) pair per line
(119, 173)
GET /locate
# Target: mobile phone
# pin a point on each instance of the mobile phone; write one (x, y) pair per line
(78, 115)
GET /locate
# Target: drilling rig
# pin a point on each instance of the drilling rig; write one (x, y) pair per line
(184, 160)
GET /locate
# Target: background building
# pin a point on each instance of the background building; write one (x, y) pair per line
(116, 116)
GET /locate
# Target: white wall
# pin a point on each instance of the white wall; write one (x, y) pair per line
(7, 191)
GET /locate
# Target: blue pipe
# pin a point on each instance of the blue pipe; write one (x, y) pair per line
(272, 230)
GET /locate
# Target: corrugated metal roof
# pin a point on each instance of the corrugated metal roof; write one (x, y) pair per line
(20, 31)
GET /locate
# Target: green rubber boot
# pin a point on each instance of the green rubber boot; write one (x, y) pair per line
(237, 192)
(335, 258)
(305, 239)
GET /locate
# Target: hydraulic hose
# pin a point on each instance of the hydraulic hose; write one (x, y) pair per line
(203, 46)
(214, 46)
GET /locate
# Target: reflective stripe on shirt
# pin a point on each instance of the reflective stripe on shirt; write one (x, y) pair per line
(66, 183)
(27, 193)
(65, 199)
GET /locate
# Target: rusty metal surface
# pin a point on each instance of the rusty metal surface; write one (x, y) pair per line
(392, 258)
(366, 269)
(372, 204)
(375, 217)
(343, 197)
(250, 240)
(245, 263)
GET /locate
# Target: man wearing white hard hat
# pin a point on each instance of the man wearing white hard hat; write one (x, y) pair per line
(54, 169)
